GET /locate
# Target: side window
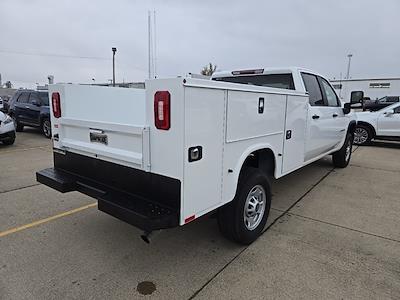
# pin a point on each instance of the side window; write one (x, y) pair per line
(313, 89)
(23, 98)
(329, 93)
(33, 97)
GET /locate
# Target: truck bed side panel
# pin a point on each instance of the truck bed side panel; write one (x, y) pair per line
(204, 127)
(250, 129)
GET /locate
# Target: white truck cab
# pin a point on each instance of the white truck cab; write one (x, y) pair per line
(184, 147)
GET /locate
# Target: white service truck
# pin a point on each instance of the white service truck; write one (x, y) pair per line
(181, 148)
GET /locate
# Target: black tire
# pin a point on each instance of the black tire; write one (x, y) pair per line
(18, 127)
(46, 128)
(362, 135)
(9, 141)
(342, 157)
(231, 217)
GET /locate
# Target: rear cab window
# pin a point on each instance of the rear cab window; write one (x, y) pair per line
(281, 81)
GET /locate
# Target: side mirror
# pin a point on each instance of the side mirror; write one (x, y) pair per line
(356, 97)
(347, 108)
(389, 112)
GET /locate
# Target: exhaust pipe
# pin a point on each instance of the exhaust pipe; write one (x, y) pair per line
(146, 236)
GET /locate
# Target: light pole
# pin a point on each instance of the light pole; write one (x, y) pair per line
(348, 65)
(114, 50)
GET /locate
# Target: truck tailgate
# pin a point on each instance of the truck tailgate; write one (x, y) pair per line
(102, 122)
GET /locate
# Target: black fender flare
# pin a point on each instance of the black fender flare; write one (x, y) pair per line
(352, 126)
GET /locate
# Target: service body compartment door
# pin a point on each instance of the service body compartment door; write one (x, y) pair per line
(253, 115)
(295, 133)
(204, 131)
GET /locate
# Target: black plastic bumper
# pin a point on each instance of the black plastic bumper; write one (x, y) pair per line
(7, 135)
(136, 210)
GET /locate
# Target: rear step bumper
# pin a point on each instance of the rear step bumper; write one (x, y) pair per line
(135, 210)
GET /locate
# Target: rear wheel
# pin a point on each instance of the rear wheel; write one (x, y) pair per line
(342, 157)
(244, 219)
(362, 135)
(46, 128)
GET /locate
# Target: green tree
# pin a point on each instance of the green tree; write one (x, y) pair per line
(208, 70)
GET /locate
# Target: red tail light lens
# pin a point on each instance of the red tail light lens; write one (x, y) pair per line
(55, 102)
(162, 110)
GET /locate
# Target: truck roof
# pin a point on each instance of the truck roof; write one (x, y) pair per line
(258, 71)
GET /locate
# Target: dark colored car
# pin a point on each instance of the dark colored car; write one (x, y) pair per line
(374, 105)
(31, 108)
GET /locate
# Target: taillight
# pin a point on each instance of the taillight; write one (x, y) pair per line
(55, 102)
(162, 110)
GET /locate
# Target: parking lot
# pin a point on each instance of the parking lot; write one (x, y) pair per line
(332, 233)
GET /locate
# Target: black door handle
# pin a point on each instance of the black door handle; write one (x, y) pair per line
(315, 117)
(334, 115)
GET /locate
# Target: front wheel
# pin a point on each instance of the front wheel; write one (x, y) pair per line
(244, 219)
(342, 157)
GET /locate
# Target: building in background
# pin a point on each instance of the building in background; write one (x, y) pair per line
(373, 88)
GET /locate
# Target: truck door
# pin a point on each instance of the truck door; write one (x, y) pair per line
(338, 120)
(319, 120)
(389, 124)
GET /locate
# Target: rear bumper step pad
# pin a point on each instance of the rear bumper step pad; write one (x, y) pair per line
(133, 209)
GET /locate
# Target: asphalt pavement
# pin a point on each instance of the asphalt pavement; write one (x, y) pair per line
(332, 234)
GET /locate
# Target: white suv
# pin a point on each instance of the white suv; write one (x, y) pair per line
(383, 124)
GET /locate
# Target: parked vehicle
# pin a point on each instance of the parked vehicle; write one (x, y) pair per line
(7, 130)
(186, 147)
(374, 105)
(383, 124)
(5, 101)
(31, 108)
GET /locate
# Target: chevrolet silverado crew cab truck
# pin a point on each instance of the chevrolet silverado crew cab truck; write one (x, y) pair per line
(183, 147)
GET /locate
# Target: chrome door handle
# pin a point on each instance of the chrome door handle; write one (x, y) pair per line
(26, 106)
(315, 117)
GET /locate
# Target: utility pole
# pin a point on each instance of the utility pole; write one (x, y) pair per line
(348, 66)
(113, 50)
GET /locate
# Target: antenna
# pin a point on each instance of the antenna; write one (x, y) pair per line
(155, 44)
(348, 65)
(149, 32)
